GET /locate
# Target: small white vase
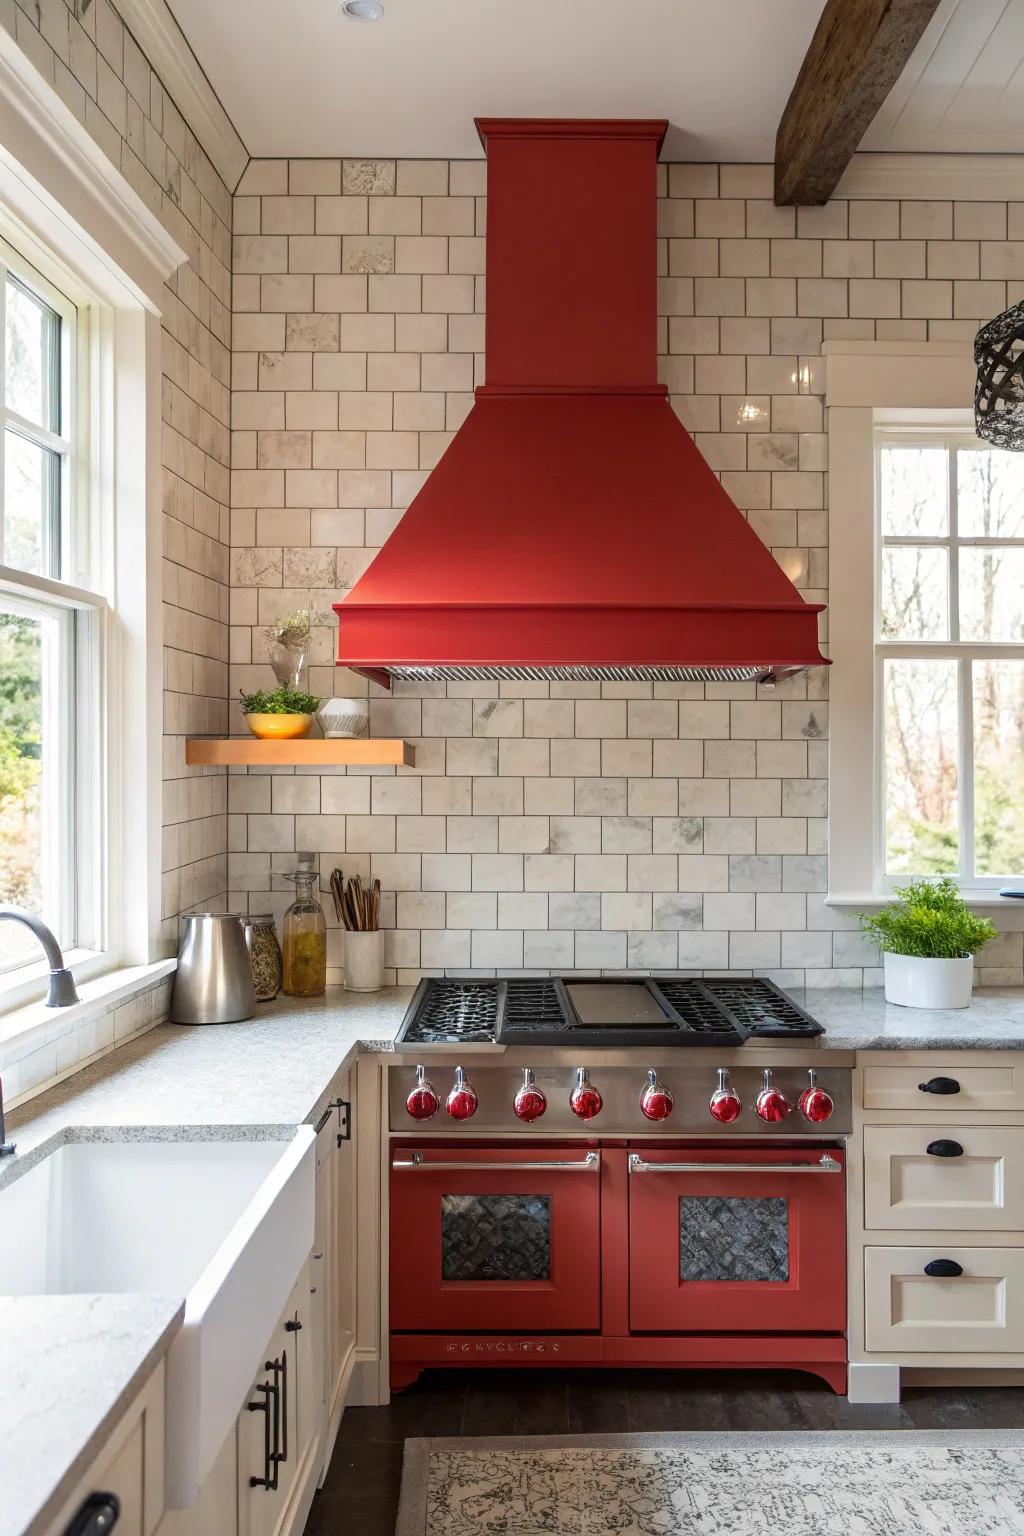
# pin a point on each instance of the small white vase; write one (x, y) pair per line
(916, 982)
(344, 719)
(363, 961)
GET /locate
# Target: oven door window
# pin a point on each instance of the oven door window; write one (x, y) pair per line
(495, 1237)
(723, 1237)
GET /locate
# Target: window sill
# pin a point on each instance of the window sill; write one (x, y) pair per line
(27, 1026)
(977, 898)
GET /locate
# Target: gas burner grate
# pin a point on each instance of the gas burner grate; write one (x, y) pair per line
(761, 1006)
(452, 1012)
(699, 1012)
(531, 1005)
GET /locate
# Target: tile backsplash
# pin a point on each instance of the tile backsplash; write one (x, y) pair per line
(548, 827)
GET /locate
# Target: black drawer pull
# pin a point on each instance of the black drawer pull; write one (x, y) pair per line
(293, 1325)
(940, 1085)
(943, 1269)
(942, 1148)
(97, 1515)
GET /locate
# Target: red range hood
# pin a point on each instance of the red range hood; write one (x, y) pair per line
(572, 529)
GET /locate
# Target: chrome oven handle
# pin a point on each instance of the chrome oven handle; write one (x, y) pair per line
(586, 1164)
(825, 1164)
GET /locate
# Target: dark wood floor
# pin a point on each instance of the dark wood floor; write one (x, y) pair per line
(360, 1494)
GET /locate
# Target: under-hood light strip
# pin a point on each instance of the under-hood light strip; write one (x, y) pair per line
(581, 674)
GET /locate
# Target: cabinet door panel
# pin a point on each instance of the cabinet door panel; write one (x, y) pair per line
(979, 1190)
(979, 1311)
(995, 1087)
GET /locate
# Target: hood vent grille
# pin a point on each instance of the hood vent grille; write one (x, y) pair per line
(562, 674)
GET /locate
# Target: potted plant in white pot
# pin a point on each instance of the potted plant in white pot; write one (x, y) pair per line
(929, 937)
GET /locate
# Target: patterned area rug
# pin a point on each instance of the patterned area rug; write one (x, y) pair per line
(908, 1483)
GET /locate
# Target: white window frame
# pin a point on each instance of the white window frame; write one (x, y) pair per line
(873, 388)
(69, 213)
(70, 847)
(963, 652)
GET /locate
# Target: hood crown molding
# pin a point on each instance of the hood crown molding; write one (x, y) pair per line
(167, 48)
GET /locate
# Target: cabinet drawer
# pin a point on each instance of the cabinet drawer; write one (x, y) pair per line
(978, 1312)
(905, 1185)
(997, 1087)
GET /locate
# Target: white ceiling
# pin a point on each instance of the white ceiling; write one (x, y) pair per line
(298, 79)
(963, 89)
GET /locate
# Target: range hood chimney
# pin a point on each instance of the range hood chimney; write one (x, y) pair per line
(572, 530)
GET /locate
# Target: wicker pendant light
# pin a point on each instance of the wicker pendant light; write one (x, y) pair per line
(999, 392)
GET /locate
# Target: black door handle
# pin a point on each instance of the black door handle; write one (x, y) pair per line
(943, 1148)
(97, 1515)
(943, 1269)
(940, 1085)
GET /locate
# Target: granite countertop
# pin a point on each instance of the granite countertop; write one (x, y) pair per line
(72, 1365)
(864, 1021)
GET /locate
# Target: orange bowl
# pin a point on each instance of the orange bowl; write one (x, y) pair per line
(279, 727)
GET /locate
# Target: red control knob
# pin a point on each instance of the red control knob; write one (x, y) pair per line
(422, 1103)
(585, 1101)
(462, 1103)
(656, 1101)
(815, 1104)
(726, 1103)
(772, 1103)
(529, 1103)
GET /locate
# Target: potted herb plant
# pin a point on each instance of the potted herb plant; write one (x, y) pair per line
(928, 937)
(282, 714)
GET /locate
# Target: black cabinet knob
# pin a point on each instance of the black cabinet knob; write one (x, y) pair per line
(293, 1325)
(940, 1085)
(97, 1515)
(943, 1148)
(943, 1269)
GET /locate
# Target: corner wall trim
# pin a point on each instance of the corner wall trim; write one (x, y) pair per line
(49, 160)
(969, 178)
(169, 52)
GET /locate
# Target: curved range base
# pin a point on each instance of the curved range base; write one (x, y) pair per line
(824, 1357)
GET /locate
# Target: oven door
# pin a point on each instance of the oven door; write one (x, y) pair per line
(734, 1240)
(491, 1240)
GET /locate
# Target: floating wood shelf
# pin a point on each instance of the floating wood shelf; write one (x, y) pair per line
(360, 752)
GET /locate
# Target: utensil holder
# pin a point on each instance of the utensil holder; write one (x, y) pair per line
(364, 970)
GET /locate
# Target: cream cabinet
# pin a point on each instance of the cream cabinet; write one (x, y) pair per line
(936, 1216)
(129, 1471)
(996, 1085)
(961, 1178)
(945, 1300)
(333, 1264)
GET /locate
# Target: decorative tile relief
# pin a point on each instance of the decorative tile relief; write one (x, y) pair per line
(95, 64)
(552, 827)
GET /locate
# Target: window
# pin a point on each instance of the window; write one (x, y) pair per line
(49, 698)
(949, 658)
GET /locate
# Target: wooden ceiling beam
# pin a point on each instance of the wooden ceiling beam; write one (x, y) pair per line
(856, 55)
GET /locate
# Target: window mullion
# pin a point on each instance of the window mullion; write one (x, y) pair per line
(3, 406)
(954, 534)
(965, 683)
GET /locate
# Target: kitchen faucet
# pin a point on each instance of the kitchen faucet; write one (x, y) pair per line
(62, 992)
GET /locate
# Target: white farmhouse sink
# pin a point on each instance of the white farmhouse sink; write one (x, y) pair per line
(225, 1224)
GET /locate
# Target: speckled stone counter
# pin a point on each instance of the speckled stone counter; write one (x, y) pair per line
(72, 1365)
(277, 1069)
(864, 1021)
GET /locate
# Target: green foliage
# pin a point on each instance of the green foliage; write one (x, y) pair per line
(929, 919)
(279, 701)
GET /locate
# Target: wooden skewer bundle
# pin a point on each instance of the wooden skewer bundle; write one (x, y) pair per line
(356, 906)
